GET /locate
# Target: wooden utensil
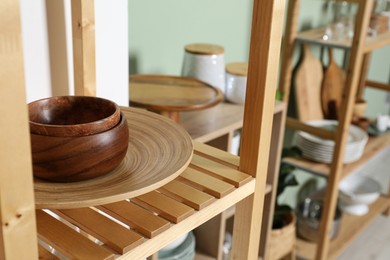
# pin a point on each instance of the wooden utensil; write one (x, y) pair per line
(308, 78)
(332, 88)
(169, 95)
(158, 151)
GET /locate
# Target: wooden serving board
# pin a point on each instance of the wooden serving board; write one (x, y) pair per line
(332, 88)
(308, 78)
(159, 150)
(172, 93)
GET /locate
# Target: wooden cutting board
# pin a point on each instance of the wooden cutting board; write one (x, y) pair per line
(308, 78)
(332, 88)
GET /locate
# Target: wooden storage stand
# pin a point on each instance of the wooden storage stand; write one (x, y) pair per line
(227, 119)
(244, 187)
(360, 49)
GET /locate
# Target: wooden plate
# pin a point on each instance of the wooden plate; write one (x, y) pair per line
(172, 93)
(159, 150)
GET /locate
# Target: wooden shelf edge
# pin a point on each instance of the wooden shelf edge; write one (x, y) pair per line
(151, 246)
(314, 36)
(377, 42)
(223, 119)
(378, 85)
(351, 226)
(230, 211)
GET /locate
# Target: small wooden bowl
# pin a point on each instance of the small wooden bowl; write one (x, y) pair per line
(77, 158)
(72, 115)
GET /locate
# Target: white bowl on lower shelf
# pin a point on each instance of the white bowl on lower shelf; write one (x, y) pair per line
(357, 210)
(359, 190)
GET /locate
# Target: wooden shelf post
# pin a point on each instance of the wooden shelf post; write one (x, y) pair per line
(83, 30)
(17, 211)
(267, 21)
(345, 118)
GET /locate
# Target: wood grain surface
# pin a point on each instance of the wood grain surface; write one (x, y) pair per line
(332, 88)
(171, 93)
(308, 78)
(78, 158)
(158, 151)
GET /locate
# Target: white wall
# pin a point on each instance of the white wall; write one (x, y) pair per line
(112, 45)
(48, 49)
(35, 44)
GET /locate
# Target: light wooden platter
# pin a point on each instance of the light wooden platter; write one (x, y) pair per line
(159, 150)
(169, 95)
(172, 93)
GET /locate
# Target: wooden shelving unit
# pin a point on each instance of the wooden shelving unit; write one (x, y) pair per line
(216, 127)
(360, 48)
(159, 216)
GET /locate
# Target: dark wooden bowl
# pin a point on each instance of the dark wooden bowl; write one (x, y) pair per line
(68, 159)
(72, 115)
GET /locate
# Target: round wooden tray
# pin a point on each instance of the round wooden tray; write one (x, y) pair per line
(172, 93)
(159, 150)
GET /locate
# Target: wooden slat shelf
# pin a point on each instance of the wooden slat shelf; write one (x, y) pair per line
(374, 146)
(157, 215)
(350, 227)
(314, 36)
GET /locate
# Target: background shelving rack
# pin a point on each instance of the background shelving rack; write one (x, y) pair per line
(22, 224)
(360, 48)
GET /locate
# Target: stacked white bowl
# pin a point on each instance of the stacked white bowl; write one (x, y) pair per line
(321, 150)
(357, 192)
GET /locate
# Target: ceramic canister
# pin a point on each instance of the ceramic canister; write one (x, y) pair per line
(236, 77)
(205, 62)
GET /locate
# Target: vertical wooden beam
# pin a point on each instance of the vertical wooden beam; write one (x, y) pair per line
(355, 64)
(288, 48)
(264, 52)
(18, 238)
(363, 76)
(278, 130)
(83, 27)
(56, 28)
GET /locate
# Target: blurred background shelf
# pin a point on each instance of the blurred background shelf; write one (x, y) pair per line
(373, 147)
(315, 36)
(351, 226)
(356, 65)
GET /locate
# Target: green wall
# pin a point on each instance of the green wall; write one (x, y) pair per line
(159, 30)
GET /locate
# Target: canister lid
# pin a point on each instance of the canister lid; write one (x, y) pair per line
(237, 68)
(204, 49)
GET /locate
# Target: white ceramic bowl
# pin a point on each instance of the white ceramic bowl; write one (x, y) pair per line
(358, 189)
(321, 150)
(357, 210)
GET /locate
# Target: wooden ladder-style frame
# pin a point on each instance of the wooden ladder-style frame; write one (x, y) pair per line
(360, 49)
(217, 180)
